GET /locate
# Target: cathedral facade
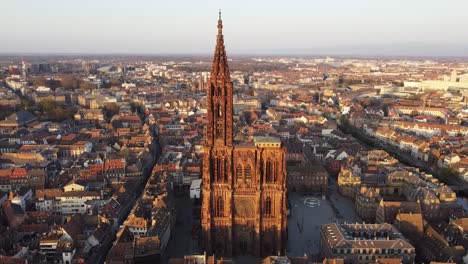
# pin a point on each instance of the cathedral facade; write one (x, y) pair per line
(244, 184)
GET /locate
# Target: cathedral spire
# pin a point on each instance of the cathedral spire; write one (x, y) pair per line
(220, 24)
(220, 66)
(219, 129)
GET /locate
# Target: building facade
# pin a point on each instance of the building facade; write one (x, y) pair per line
(244, 185)
(66, 203)
(364, 243)
(366, 203)
(307, 179)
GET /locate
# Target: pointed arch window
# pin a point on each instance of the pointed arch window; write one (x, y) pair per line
(219, 207)
(267, 211)
(270, 171)
(219, 169)
(225, 170)
(239, 172)
(248, 173)
(220, 91)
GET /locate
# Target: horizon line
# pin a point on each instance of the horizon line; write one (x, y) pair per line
(236, 54)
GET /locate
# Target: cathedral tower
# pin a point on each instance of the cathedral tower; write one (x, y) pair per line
(219, 128)
(244, 186)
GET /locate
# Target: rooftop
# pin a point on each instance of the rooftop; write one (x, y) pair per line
(365, 236)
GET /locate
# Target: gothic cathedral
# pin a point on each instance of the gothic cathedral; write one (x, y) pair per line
(244, 184)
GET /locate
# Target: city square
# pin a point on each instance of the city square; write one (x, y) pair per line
(307, 214)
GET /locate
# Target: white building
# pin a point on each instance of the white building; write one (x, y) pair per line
(195, 189)
(65, 203)
(451, 159)
(23, 197)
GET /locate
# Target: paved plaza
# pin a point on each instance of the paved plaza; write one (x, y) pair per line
(182, 242)
(308, 213)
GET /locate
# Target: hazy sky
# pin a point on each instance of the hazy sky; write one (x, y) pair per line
(372, 27)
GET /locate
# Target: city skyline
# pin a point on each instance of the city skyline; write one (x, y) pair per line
(397, 28)
(137, 133)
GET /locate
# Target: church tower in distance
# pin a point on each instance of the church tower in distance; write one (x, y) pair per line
(244, 184)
